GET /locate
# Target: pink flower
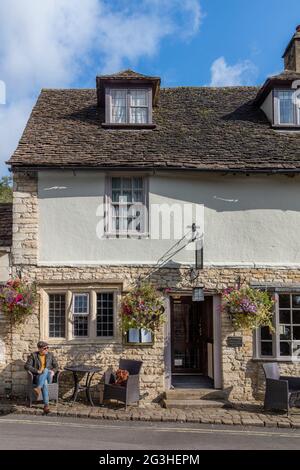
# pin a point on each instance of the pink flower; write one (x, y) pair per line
(19, 298)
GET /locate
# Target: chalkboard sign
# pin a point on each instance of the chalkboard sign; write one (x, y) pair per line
(234, 341)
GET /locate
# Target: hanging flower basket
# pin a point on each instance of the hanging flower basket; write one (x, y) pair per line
(249, 308)
(17, 299)
(142, 308)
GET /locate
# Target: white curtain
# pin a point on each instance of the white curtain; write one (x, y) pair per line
(118, 98)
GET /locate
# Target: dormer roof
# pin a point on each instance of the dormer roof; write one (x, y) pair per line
(126, 78)
(291, 71)
(283, 79)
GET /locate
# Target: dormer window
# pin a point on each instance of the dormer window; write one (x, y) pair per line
(128, 98)
(286, 109)
(129, 105)
(279, 97)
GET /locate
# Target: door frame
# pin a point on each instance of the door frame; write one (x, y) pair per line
(185, 371)
(217, 351)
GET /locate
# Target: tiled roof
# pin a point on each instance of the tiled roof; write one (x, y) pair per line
(196, 128)
(5, 224)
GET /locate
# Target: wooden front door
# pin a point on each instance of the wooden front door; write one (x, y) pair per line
(191, 331)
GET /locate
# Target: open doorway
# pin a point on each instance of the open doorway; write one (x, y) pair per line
(192, 342)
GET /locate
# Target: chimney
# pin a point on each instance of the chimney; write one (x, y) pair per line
(292, 53)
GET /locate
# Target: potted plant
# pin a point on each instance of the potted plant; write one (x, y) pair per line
(17, 299)
(142, 312)
(249, 308)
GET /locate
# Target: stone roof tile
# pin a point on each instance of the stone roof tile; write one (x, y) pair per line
(5, 224)
(212, 129)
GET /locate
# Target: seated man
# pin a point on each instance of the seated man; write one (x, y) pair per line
(43, 365)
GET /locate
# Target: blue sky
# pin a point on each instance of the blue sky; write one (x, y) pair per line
(66, 43)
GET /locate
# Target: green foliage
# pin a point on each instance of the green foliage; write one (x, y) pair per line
(249, 308)
(143, 308)
(6, 189)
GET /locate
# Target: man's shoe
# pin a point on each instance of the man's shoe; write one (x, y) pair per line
(37, 391)
(46, 410)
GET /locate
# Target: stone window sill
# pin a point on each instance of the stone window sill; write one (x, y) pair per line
(275, 359)
(86, 341)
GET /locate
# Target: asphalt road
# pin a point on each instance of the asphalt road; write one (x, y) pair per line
(38, 432)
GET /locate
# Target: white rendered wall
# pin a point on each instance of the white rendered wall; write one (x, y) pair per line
(249, 221)
(267, 107)
(4, 267)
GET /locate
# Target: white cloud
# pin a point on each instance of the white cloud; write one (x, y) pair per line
(242, 73)
(12, 122)
(51, 43)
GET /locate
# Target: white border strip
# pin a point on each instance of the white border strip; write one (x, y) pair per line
(181, 265)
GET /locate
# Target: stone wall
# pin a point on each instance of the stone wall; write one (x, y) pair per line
(242, 376)
(25, 219)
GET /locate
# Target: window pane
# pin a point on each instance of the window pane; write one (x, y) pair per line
(126, 196)
(296, 317)
(296, 333)
(80, 303)
(265, 333)
(118, 102)
(116, 183)
(285, 332)
(266, 348)
(118, 115)
(57, 315)
(125, 214)
(296, 301)
(139, 97)
(284, 301)
(138, 183)
(80, 325)
(138, 115)
(138, 196)
(133, 335)
(105, 314)
(296, 349)
(285, 348)
(286, 107)
(285, 316)
(116, 195)
(127, 183)
(146, 336)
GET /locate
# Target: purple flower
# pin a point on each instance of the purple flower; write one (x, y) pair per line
(247, 306)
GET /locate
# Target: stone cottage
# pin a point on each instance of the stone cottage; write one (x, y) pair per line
(109, 186)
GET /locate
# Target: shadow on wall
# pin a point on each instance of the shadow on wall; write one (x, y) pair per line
(254, 374)
(13, 377)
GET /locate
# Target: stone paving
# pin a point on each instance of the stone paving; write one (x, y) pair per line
(241, 414)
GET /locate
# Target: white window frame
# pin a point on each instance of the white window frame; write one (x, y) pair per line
(275, 336)
(82, 294)
(70, 292)
(109, 230)
(277, 121)
(108, 105)
(81, 314)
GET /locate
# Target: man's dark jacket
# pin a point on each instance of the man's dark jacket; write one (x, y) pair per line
(33, 363)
